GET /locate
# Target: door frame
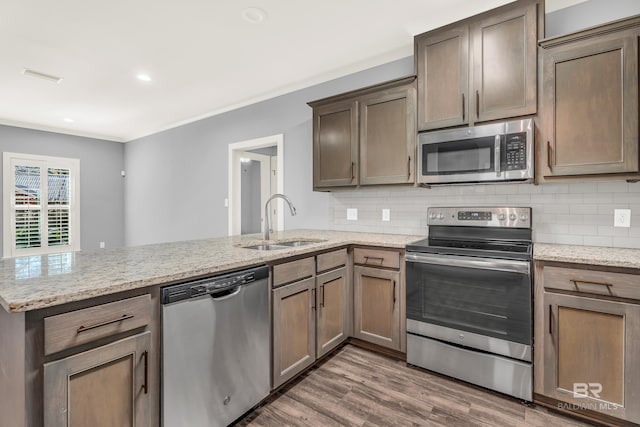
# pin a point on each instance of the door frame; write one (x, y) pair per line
(235, 150)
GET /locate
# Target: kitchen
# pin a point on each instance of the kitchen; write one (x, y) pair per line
(576, 213)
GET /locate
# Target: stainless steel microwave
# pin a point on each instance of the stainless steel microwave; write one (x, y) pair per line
(485, 153)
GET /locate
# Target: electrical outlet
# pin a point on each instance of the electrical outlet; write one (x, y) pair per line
(622, 218)
(386, 214)
(102, 245)
(226, 203)
(352, 214)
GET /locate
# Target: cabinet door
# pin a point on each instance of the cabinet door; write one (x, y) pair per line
(333, 309)
(505, 64)
(592, 354)
(388, 136)
(294, 325)
(590, 107)
(335, 144)
(443, 78)
(377, 306)
(106, 386)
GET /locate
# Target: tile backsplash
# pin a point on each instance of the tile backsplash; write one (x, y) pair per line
(572, 213)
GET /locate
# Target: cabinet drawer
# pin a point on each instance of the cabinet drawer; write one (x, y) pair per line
(591, 281)
(376, 257)
(82, 326)
(292, 271)
(331, 260)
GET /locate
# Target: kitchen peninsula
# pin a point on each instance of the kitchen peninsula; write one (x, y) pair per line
(64, 310)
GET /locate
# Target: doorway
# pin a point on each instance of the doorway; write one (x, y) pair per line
(255, 173)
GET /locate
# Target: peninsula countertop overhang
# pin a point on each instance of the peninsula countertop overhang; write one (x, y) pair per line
(31, 283)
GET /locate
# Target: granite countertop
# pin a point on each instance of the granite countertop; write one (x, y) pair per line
(30, 283)
(594, 255)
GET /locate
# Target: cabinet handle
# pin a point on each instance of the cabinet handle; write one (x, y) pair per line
(550, 321)
(586, 282)
(353, 169)
(394, 294)
(463, 109)
(322, 298)
(409, 168)
(549, 154)
(367, 258)
(313, 299)
(477, 104)
(124, 317)
(145, 386)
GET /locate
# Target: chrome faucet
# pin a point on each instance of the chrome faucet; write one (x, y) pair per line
(266, 211)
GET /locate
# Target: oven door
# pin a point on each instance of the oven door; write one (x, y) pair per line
(483, 303)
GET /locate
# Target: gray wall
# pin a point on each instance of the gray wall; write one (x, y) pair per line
(101, 186)
(588, 14)
(177, 180)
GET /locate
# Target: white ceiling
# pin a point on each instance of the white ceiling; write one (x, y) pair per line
(203, 57)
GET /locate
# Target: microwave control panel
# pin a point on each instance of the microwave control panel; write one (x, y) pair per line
(516, 151)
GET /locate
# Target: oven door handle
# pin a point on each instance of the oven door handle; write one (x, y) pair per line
(513, 266)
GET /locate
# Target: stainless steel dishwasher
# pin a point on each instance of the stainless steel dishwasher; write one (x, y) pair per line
(215, 348)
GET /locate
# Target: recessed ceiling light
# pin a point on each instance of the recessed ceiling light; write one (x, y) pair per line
(254, 15)
(144, 77)
(68, 120)
(39, 75)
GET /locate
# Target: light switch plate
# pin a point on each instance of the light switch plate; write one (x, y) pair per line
(352, 214)
(386, 214)
(102, 245)
(622, 218)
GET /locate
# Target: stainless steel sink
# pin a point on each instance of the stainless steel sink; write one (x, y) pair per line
(266, 247)
(297, 243)
(282, 245)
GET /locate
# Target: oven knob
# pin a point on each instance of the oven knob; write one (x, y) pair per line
(501, 217)
(433, 215)
(513, 217)
(524, 217)
(440, 215)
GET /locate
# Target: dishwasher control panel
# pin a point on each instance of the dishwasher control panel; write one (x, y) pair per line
(212, 285)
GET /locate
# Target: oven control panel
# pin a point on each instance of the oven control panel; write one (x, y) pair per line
(481, 216)
(474, 215)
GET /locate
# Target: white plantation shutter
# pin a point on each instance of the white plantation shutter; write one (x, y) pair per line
(58, 212)
(28, 208)
(41, 208)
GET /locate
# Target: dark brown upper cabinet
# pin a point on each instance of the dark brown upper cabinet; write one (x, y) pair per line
(388, 136)
(365, 137)
(479, 69)
(589, 102)
(335, 144)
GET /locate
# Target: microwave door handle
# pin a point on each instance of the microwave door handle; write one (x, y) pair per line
(497, 154)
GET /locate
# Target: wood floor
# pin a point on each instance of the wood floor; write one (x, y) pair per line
(355, 387)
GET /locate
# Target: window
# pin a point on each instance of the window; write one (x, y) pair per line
(41, 204)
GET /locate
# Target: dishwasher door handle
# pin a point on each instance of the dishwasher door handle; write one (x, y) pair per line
(227, 293)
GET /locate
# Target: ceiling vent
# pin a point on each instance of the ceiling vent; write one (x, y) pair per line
(39, 75)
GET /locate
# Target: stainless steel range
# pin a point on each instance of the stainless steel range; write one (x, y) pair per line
(469, 287)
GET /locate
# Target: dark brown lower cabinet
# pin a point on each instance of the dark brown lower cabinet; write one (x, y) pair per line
(376, 294)
(591, 354)
(333, 310)
(294, 329)
(103, 387)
